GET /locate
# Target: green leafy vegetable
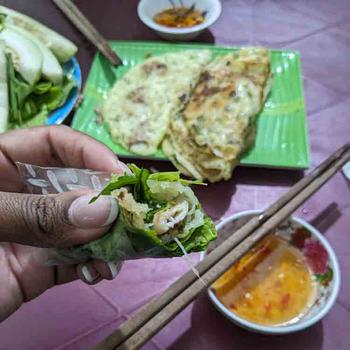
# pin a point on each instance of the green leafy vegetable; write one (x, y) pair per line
(4, 96)
(42, 87)
(174, 176)
(141, 188)
(15, 113)
(115, 184)
(31, 105)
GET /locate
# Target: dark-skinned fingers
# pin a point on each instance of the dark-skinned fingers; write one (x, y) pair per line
(58, 220)
(107, 270)
(88, 273)
(57, 146)
(64, 274)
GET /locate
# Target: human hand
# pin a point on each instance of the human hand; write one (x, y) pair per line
(28, 222)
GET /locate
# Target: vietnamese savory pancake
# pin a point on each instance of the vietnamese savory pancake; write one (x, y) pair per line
(217, 125)
(139, 106)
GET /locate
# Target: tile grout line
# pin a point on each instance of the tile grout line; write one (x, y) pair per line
(305, 77)
(315, 32)
(327, 106)
(115, 307)
(315, 17)
(86, 333)
(341, 92)
(107, 300)
(347, 308)
(155, 343)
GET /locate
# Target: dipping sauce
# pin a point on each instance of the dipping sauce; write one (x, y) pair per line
(179, 17)
(271, 285)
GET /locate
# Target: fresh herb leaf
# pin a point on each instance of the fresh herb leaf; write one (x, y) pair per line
(15, 112)
(192, 182)
(141, 189)
(138, 179)
(30, 105)
(42, 87)
(134, 168)
(174, 176)
(125, 180)
(137, 187)
(166, 176)
(114, 177)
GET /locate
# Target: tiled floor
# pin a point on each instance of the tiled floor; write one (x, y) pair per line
(76, 316)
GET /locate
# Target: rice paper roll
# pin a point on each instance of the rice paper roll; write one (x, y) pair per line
(154, 209)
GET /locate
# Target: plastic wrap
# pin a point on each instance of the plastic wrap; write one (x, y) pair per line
(51, 180)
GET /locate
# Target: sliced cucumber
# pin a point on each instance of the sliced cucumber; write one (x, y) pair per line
(28, 59)
(51, 68)
(62, 48)
(4, 100)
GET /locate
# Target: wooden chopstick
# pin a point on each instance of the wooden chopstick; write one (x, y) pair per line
(154, 306)
(90, 32)
(165, 315)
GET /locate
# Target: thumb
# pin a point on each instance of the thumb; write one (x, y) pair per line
(58, 220)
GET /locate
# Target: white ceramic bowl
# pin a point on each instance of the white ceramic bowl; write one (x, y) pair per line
(148, 8)
(324, 302)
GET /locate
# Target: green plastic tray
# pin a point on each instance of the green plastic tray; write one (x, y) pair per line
(281, 139)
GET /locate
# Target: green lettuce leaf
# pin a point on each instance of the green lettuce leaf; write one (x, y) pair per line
(115, 184)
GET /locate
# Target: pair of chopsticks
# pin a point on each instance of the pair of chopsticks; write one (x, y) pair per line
(90, 32)
(158, 312)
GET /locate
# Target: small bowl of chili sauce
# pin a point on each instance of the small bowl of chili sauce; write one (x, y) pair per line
(284, 284)
(182, 22)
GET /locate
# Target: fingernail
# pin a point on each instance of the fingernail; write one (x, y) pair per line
(87, 274)
(113, 268)
(100, 213)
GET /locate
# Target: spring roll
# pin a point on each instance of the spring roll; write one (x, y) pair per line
(154, 209)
